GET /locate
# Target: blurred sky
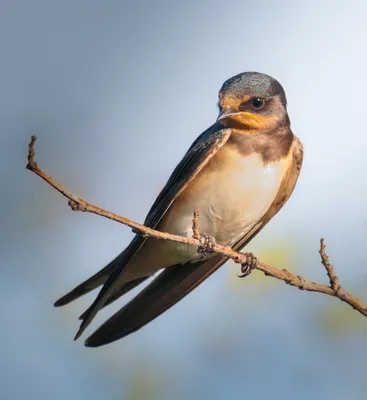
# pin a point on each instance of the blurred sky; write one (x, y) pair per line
(116, 92)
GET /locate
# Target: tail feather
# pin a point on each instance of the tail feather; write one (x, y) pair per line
(163, 292)
(90, 284)
(122, 290)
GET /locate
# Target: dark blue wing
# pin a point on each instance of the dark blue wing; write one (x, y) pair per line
(200, 152)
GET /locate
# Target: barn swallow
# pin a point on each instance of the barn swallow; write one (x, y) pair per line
(238, 174)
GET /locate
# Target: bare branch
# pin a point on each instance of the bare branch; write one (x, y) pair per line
(335, 290)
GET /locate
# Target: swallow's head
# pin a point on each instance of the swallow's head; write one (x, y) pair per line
(251, 103)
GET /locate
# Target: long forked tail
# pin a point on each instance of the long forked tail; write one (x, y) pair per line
(163, 292)
(92, 283)
(120, 292)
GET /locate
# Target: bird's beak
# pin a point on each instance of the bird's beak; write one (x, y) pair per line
(244, 121)
(226, 114)
(230, 118)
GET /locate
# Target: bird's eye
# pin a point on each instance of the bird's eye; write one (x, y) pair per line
(257, 103)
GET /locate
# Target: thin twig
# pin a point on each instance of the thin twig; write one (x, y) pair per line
(334, 281)
(196, 225)
(79, 204)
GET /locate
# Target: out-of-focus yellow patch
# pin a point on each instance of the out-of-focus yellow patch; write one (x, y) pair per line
(280, 254)
(148, 381)
(341, 320)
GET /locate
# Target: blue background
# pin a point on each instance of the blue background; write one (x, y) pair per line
(116, 92)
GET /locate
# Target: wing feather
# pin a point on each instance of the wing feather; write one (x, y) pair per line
(199, 154)
(176, 282)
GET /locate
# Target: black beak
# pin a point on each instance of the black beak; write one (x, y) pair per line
(224, 114)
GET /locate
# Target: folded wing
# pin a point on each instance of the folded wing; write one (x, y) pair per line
(177, 281)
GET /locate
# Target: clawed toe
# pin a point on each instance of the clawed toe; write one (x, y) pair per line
(248, 266)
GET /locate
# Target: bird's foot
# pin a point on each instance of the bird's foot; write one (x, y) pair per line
(207, 245)
(248, 266)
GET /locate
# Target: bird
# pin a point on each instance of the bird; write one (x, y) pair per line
(238, 173)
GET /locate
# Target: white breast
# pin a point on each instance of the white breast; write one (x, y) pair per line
(232, 194)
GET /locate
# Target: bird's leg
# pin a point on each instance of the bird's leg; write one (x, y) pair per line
(207, 245)
(248, 266)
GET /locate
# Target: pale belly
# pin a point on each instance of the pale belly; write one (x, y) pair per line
(232, 194)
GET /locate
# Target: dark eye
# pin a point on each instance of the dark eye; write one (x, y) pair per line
(257, 103)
